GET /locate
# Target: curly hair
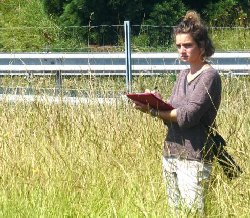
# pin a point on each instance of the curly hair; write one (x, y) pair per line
(193, 25)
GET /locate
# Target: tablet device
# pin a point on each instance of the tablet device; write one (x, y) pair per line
(151, 99)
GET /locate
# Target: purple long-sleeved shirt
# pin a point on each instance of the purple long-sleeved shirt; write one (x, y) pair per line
(197, 103)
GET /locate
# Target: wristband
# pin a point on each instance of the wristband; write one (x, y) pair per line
(153, 112)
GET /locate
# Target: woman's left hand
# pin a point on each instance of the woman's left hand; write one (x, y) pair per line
(145, 108)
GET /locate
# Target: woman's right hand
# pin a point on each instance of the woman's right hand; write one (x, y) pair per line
(155, 92)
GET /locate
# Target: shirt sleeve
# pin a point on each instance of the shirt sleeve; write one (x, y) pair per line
(200, 100)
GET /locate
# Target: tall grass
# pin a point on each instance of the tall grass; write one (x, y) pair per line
(102, 160)
(231, 39)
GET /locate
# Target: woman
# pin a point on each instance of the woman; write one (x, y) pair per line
(196, 98)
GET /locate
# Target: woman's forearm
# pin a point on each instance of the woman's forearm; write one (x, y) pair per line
(168, 116)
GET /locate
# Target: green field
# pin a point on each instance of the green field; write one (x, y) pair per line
(60, 160)
(102, 160)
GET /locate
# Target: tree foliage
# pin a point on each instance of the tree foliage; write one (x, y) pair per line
(106, 12)
(54, 7)
(93, 13)
(228, 13)
(165, 14)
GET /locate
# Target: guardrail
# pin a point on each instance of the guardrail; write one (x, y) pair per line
(73, 64)
(108, 64)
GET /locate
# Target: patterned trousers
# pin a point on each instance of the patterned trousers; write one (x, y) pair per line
(185, 183)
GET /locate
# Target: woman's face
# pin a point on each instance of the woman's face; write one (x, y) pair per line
(188, 49)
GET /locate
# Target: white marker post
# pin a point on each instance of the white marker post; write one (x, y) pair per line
(128, 56)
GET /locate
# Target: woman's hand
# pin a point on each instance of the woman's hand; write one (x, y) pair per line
(145, 108)
(156, 93)
(167, 116)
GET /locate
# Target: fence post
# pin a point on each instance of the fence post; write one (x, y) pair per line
(58, 83)
(128, 56)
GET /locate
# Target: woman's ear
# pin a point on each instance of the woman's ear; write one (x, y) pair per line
(202, 54)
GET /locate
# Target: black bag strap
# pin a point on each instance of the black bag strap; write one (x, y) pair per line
(230, 168)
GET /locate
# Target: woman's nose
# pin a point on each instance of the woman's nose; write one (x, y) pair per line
(182, 49)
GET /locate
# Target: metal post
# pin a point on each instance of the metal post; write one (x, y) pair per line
(58, 82)
(128, 56)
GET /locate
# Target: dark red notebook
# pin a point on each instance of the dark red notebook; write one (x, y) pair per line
(151, 99)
